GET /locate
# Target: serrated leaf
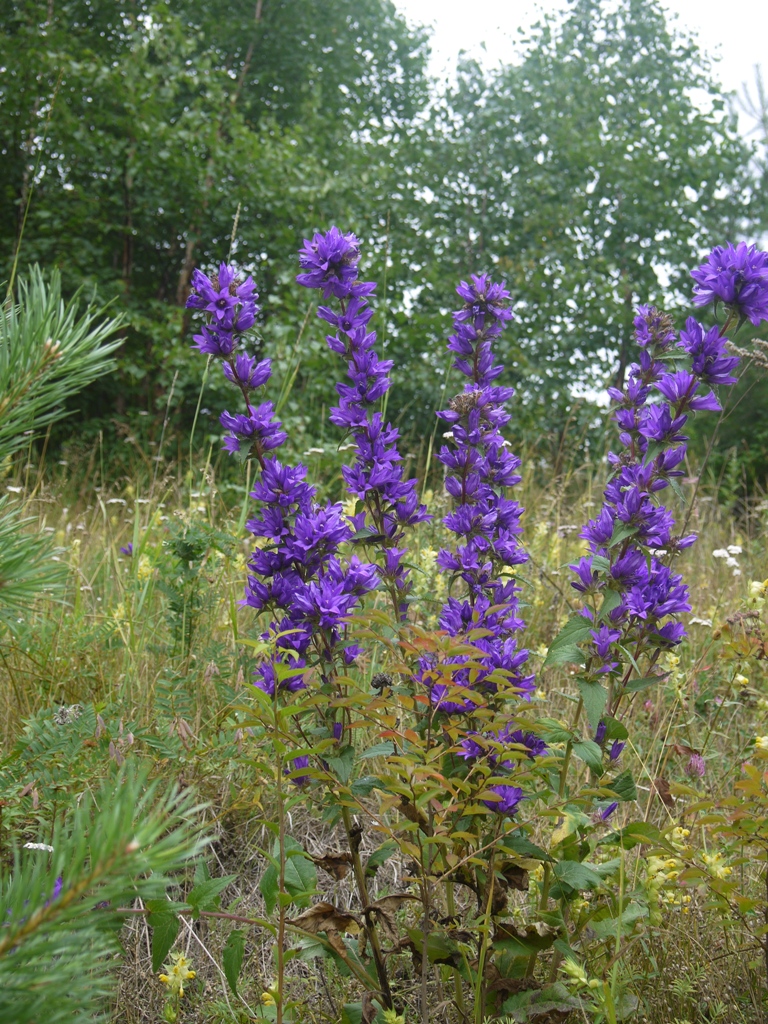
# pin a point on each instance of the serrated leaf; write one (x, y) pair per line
(522, 845)
(611, 599)
(576, 875)
(564, 648)
(205, 894)
(165, 928)
(624, 786)
(232, 957)
(634, 685)
(300, 876)
(365, 786)
(621, 531)
(379, 750)
(595, 697)
(379, 857)
(589, 752)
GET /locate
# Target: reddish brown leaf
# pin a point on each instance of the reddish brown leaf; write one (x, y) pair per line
(515, 876)
(661, 788)
(336, 864)
(384, 911)
(324, 917)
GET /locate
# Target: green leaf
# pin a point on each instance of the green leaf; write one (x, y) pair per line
(300, 876)
(564, 648)
(595, 697)
(205, 895)
(611, 599)
(365, 785)
(342, 764)
(269, 888)
(379, 857)
(576, 875)
(634, 685)
(620, 533)
(624, 786)
(379, 750)
(352, 1013)
(232, 957)
(553, 1002)
(589, 752)
(609, 927)
(165, 928)
(520, 843)
(614, 729)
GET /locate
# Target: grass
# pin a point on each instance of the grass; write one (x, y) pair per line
(151, 652)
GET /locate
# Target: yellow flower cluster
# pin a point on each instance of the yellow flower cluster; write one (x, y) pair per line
(577, 976)
(757, 591)
(430, 587)
(715, 865)
(178, 973)
(661, 879)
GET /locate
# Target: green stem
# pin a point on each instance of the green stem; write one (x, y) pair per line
(370, 928)
(479, 986)
(281, 875)
(458, 987)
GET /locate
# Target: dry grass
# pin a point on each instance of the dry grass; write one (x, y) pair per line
(115, 644)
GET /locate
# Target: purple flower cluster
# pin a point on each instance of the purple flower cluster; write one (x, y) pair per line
(297, 572)
(486, 522)
(390, 504)
(631, 594)
(738, 276)
(480, 469)
(230, 308)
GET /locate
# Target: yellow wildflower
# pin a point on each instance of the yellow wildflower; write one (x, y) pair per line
(178, 973)
(715, 865)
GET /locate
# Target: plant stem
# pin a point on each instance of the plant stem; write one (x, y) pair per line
(281, 875)
(370, 927)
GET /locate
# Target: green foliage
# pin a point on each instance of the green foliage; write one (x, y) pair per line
(115, 845)
(154, 127)
(48, 353)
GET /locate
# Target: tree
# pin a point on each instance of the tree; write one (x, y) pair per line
(592, 175)
(142, 130)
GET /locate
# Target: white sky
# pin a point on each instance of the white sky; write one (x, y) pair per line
(735, 31)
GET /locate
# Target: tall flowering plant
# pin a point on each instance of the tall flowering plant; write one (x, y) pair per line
(503, 817)
(297, 574)
(387, 504)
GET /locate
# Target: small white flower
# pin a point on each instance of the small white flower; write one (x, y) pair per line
(719, 553)
(696, 621)
(38, 846)
(734, 549)
(731, 562)
(736, 572)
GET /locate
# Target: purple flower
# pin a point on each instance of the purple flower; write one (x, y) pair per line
(127, 550)
(615, 750)
(696, 767)
(296, 766)
(534, 745)
(509, 798)
(487, 522)
(247, 372)
(736, 275)
(709, 361)
(257, 431)
(329, 262)
(605, 813)
(602, 729)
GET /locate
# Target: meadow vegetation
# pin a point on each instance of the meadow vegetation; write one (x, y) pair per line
(363, 662)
